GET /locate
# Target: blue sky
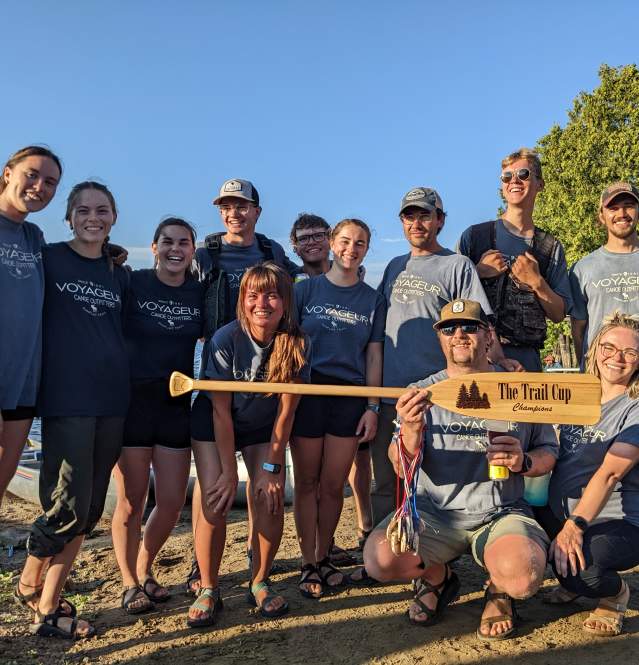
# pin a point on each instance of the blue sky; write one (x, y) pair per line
(336, 108)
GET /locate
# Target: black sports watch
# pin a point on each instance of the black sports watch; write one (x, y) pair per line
(526, 464)
(272, 468)
(580, 522)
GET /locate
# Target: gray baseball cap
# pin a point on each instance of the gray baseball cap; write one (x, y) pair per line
(617, 189)
(421, 197)
(240, 189)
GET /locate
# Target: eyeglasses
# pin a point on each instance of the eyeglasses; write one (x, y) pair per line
(610, 350)
(466, 328)
(226, 209)
(315, 237)
(409, 218)
(520, 174)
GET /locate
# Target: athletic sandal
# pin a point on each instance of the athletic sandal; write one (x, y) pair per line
(310, 576)
(269, 598)
(446, 593)
(209, 603)
(340, 557)
(364, 578)
(560, 596)
(491, 621)
(326, 569)
(135, 601)
(613, 621)
(276, 568)
(151, 588)
(65, 607)
(47, 626)
(193, 579)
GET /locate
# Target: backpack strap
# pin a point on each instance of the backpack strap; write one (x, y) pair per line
(213, 243)
(482, 238)
(543, 248)
(265, 245)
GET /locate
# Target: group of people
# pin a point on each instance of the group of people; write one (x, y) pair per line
(88, 345)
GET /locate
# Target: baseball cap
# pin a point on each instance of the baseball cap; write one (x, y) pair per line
(422, 197)
(617, 188)
(240, 189)
(461, 310)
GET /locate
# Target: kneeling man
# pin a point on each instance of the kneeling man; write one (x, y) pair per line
(461, 508)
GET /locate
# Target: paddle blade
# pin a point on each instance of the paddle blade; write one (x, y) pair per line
(532, 397)
(179, 384)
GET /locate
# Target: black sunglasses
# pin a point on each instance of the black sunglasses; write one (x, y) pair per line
(520, 174)
(467, 328)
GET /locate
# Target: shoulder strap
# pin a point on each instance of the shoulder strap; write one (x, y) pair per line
(482, 238)
(213, 243)
(543, 248)
(265, 245)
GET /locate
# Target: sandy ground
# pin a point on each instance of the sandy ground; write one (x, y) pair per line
(353, 626)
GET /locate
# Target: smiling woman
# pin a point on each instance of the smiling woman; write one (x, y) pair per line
(27, 184)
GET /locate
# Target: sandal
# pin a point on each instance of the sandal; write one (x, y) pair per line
(135, 594)
(209, 609)
(326, 569)
(362, 536)
(364, 578)
(489, 622)
(65, 607)
(270, 597)
(193, 579)
(446, 593)
(152, 592)
(47, 626)
(614, 621)
(340, 557)
(560, 596)
(310, 576)
(276, 568)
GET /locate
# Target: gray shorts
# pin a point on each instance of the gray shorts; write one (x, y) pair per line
(440, 543)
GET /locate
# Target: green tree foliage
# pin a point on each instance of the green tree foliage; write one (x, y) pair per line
(598, 145)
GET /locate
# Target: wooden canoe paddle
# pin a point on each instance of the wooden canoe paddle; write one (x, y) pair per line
(532, 397)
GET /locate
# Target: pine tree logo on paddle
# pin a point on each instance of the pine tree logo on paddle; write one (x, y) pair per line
(471, 399)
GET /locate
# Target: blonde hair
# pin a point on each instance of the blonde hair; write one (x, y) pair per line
(615, 320)
(288, 355)
(531, 156)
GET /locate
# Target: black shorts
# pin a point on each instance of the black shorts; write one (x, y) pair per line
(19, 413)
(157, 419)
(202, 426)
(338, 416)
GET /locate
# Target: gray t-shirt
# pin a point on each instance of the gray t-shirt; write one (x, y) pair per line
(582, 450)
(453, 483)
(22, 289)
(600, 283)
(415, 289)
(341, 321)
(511, 246)
(236, 356)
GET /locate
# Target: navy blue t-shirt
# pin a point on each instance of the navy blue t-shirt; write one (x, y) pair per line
(162, 325)
(85, 368)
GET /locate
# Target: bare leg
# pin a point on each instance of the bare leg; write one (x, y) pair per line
(171, 470)
(359, 479)
(131, 475)
(32, 577)
(12, 440)
(267, 528)
(210, 535)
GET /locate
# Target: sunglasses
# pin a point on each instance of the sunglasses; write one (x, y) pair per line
(520, 174)
(466, 328)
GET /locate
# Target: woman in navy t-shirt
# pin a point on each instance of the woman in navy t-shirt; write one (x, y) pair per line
(27, 184)
(83, 399)
(162, 324)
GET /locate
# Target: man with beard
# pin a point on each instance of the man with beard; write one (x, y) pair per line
(462, 510)
(608, 278)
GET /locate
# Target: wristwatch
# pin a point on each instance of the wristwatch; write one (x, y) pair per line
(272, 468)
(373, 407)
(580, 522)
(526, 463)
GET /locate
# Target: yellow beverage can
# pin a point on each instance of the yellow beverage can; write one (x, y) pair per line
(498, 472)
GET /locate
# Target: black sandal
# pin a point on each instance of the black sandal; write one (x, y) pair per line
(309, 570)
(134, 594)
(47, 626)
(446, 593)
(152, 594)
(364, 578)
(193, 578)
(65, 607)
(326, 569)
(499, 618)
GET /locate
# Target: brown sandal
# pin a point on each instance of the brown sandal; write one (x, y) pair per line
(491, 621)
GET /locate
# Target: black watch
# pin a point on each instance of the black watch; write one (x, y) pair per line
(580, 522)
(526, 464)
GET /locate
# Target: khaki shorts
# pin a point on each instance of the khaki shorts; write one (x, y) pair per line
(440, 543)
